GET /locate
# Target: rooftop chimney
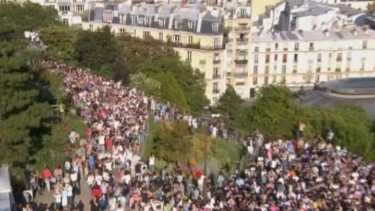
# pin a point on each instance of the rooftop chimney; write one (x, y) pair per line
(326, 32)
(355, 32)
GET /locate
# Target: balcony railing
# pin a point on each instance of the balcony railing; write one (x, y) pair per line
(240, 74)
(216, 76)
(195, 46)
(239, 15)
(216, 91)
(241, 52)
(217, 61)
(244, 40)
(242, 28)
(241, 61)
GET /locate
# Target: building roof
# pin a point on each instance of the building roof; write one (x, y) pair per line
(317, 98)
(351, 33)
(193, 18)
(350, 86)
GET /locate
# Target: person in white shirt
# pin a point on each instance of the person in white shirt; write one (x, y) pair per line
(57, 197)
(74, 179)
(151, 163)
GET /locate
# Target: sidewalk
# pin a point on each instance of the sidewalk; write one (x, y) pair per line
(47, 198)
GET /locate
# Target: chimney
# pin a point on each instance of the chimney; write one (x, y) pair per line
(355, 32)
(326, 32)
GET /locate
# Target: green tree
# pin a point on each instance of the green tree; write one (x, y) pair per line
(60, 41)
(22, 113)
(144, 83)
(275, 112)
(229, 103)
(173, 142)
(27, 16)
(100, 52)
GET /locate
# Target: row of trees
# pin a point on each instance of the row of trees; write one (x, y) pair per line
(276, 113)
(144, 63)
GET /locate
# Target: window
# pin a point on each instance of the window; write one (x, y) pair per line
(80, 8)
(161, 22)
(161, 36)
(216, 72)
(147, 21)
(255, 80)
(267, 58)
(191, 25)
(275, 57)
(319, 57)
(349, 56)
(177, 24)
(91, 27)
(266, 80)
(276, 46)
(134, 20)
(176, 39)
(65, 21)
(217, 42)
(256, 58)
(295, 59)
(311, 48)
(215, 86)
(122, 31)
(339, 57)
(364, 44)
(146, 34)
(214, 99)
(296, 46)
(256, 49)
(140, 20)
(190, 39)
(267, 70)
(215, 27)
(255, 70)
(189, 56)
(283, 69)
(285, 58)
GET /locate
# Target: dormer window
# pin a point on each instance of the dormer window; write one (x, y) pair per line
(177, 24)
(215, 27)
(161, 22)
(140, 20)
(134, 20)
(191, 24)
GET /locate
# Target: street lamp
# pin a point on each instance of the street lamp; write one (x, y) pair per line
(206, 117)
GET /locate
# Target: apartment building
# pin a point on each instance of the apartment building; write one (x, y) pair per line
(357, 4)
(195, 32)
(299, 58)
(237, 24)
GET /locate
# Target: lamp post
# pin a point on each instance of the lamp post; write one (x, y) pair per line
(206, 117)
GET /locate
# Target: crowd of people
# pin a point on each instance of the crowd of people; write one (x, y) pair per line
(281, 175)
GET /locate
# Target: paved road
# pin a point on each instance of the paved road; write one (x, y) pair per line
(83, 199)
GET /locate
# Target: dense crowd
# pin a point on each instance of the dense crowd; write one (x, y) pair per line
(282, 175)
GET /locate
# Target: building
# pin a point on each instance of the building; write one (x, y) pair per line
(357, 4)
(194, 30)
(307, 57)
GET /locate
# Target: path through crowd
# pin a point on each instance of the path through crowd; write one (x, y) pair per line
(82, 199)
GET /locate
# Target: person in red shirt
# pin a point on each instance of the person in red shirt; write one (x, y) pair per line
(88, 133)
(108, 143)
(96, 192)
(47, 175)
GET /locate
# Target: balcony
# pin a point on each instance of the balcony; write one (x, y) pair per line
(216, 61)
(195, 46)
(215, 90)
(216, 76)
(241, 52)
(242, 28)
(244, 40)
(240, 74)
(240, 16)
(241, 61)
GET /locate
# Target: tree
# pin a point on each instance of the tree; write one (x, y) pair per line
(144, 83)
(229, 103)
(99, 51)
(173, 142)
(60, 41)
(27, 16)
(275, 112)
(23, 115)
